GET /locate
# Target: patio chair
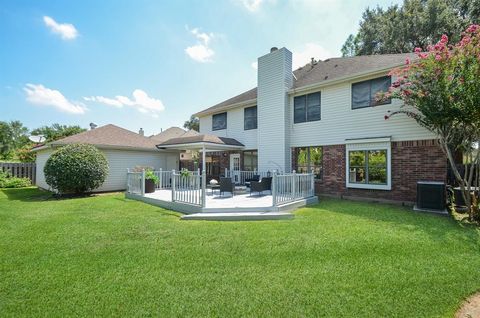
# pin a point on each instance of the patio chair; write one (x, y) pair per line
(260, 186)
(255, 177)
(226, 185)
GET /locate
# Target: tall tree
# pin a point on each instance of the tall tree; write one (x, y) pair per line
(441, 91)
(192, 123)
(57, 131)
(13, 135)
(417, 23)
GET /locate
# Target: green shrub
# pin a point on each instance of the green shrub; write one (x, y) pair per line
(150, 175)
(7, 181)
(76, 168)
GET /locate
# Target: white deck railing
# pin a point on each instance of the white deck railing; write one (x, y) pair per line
(136, 182)
(292, 187)
(188, 188)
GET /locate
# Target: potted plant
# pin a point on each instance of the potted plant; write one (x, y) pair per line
(150, 180)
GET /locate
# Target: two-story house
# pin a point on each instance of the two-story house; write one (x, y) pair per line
(325, 117)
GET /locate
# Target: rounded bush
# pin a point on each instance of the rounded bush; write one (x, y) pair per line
(76, 168)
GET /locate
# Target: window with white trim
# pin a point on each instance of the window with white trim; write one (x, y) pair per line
(368, 164)
(219, 121)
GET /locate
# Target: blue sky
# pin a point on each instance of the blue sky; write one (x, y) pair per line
(151, 64)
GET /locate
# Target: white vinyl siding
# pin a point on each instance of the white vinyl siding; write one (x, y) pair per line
(235, 128)
(42, 157)
(119, 161)
(340, 122)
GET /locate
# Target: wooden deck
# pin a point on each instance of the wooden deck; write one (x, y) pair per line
(240, 206)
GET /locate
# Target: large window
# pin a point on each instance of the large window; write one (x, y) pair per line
(250, 118)
(364, 93)
(368, 166)
(306, 108)
(250, 160)
(219, 121)
(368, 163)
(308, 159)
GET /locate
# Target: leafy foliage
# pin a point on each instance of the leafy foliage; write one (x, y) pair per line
(57, 131)
(13, 135)
(193, 123)
(417, 23)
(149, 175)
(7, 181)
(441, 92)
(76, 168)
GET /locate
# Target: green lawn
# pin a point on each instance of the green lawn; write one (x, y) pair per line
(108, 256)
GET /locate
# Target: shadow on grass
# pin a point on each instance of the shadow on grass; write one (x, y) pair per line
(438, 227)
(160, 210)
(33, 194)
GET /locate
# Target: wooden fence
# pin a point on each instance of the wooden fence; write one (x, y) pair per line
(20, 169)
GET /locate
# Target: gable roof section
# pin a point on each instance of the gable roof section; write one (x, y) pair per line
(109, 136)
(169, 133)
(331, 69)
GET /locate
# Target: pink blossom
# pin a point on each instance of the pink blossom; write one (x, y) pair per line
(444, 39)
(407, 61)
(438, 57)
(473, 28)
(418, 49)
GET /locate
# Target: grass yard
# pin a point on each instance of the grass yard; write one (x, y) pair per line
(106, 256)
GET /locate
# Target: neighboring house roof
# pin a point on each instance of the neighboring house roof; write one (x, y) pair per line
(169, 133)
(201, 138)
(109, 136)
(323, 71)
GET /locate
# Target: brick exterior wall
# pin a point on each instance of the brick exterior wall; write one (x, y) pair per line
(412, 161)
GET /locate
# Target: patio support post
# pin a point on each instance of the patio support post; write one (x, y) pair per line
(274, 189)
(173, 185)
(204, 177)
(143, 182)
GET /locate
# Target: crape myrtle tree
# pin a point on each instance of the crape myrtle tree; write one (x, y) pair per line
(441, 91)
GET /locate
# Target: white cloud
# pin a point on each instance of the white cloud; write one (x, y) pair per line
(252, 5)
(201, 51)
(303, 55)
(67, 31)
(141, 101)
(40, 95)
(104, 100)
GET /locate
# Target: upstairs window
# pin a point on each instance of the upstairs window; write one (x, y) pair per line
(219, 121)
(364, 93)
(306, 108)
(250, 118)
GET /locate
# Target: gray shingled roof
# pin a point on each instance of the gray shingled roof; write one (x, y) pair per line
(169, 133)
(109, 136)
(199, 138)
(322, 71)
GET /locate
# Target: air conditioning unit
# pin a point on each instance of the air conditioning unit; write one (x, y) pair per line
(431, 197)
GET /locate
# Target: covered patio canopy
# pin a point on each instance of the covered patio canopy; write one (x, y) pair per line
(203, 143)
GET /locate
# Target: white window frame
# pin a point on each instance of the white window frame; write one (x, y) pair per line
(383, 143)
